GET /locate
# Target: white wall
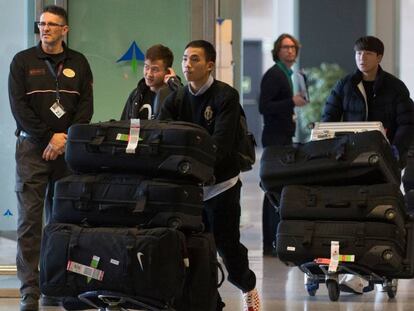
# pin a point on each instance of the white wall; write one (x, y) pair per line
(406, 60)
(13, 34)
(265, 20)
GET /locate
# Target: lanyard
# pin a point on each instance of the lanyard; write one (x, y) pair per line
(56, 76)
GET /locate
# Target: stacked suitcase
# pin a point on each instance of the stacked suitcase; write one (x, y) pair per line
(128, 223)
(340, 192)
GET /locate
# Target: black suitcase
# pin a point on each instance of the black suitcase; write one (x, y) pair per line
(127, 200)
(200, 290)
(408, 178)
(146, 263)
(165, 149)
(353, 159)
(377, 246)
(382, 202)
(409, 201)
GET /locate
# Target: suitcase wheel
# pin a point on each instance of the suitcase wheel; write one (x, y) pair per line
(333, 289)
(391, 286)
(312, 288)
(311, 284)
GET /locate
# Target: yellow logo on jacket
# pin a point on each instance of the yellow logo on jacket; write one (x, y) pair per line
(70, 73)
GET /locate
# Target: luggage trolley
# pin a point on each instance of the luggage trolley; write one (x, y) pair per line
(113, 301)
(316, 273)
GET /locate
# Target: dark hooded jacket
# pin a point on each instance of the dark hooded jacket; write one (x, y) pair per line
(391, 104)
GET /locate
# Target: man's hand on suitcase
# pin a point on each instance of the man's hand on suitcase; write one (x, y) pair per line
(56, 147)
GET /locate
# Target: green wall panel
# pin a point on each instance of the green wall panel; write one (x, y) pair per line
(104, 29)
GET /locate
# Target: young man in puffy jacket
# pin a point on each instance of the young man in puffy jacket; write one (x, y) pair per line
(159, 81)
(372, 94)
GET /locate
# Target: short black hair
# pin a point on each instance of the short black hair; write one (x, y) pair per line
(57, 10)
(277, 45)
(369, 43)
(160, 52)
(208, 48)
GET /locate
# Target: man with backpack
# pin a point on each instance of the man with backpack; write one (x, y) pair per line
(215, 106)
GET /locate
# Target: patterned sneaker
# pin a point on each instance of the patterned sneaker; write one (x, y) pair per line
(251, 301)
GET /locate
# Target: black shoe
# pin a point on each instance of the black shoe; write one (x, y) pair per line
(50, 301)
(29, 302)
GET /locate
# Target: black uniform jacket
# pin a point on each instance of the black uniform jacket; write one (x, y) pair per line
(32, 92)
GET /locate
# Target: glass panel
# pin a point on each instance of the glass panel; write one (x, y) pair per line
(104, 34)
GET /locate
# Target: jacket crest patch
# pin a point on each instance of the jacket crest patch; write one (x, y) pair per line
(208, 113)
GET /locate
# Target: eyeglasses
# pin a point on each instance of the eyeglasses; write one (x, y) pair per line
(51, 25)
(288, 47)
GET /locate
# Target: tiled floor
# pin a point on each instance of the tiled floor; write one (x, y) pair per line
(281, 287)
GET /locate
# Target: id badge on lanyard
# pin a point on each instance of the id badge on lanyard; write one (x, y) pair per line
(56, 107)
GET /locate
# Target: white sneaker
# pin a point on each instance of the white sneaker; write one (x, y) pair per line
(351, 283)
(251, 301)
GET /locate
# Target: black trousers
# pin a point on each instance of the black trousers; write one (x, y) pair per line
(222, 218)
(271, 218)
(34, 187)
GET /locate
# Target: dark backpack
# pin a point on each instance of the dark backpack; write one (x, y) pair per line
(246, 142)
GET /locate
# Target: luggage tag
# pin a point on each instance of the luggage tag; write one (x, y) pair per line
(133, 138)
(94, 264)
(327, 261)
(85, 270)
(333, 265)
(57, 109)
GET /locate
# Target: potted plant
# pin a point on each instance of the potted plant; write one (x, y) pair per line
(321, 80)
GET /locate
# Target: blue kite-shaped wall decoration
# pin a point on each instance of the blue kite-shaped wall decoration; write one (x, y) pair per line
(133, 54)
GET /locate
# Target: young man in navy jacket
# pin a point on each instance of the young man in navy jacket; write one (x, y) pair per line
(215, 106)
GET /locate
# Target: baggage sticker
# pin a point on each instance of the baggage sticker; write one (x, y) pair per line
(114, 262)
(333, 265)
(123, 137)
(81, 269)
(291, 248)
(94, 264)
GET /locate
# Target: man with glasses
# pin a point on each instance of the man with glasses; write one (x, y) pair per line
(277, 104)
(50, 88)
(158, 82)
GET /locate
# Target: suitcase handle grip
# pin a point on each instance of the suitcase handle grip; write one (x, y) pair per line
(338, 152)
(137, 208)
(338, 205)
